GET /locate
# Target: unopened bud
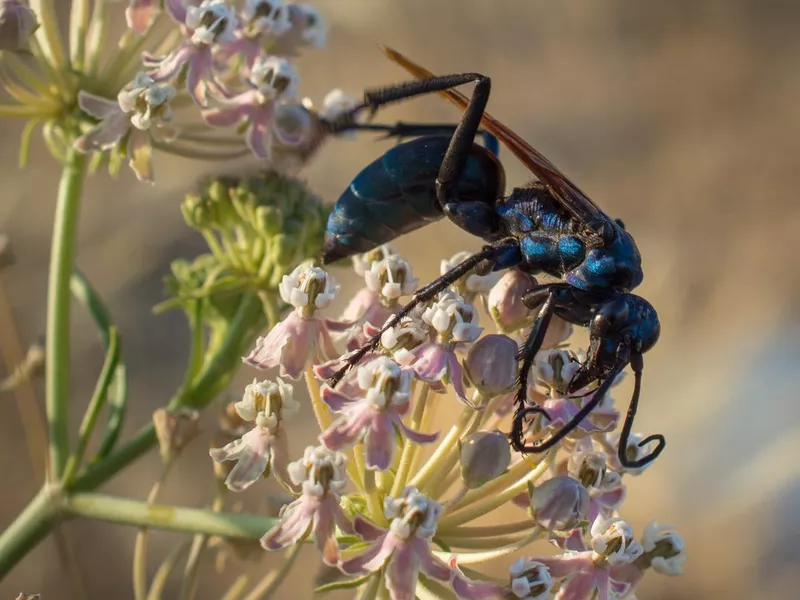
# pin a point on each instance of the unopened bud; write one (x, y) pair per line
(491, 365)
(269, 221)
(17, 23)
(505, 300)
(530, 580)
(485, 455)
(175, 429)
(559, 504)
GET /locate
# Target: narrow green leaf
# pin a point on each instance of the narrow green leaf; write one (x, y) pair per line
(342, 585)
(118, 400)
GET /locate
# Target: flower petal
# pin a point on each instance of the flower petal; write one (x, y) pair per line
(366, 529)
(335, 400)
(97, 106)
(176, 10)
(168, 67)
(295, 524)
(105, 135)
(402, 573)
(140, 14)
(370, 560)
(198, 76)
(257, 138)
(580, 587)
(140, 155)
(468, 589)
(416, 436)
(380, 443)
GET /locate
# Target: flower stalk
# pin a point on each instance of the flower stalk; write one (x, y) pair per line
(62, 259)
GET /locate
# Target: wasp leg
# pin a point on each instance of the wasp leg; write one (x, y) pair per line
(401, 131)
(637, 365)
(576, 420)
(497, 254)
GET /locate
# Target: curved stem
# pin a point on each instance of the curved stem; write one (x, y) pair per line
(270, 584)
(140, 545)
(172, 518)
(28, 529)
(62, 257)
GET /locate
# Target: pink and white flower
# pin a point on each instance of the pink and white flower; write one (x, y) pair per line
(405, 548)
(301, 338)
(272, 80)
(387, 277)
(376, 416)
(530, 580)
(322, 476)
(454, 324)
(205, 26)
(142, 106)
(471, 285)
(264, 448)
(603, 570)
(664, 548)
(140, 14)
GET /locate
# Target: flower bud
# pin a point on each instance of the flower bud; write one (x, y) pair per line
(664, 548)
(559, 504)
(485, 455)
(505, 300)
(491, 365)
(530, 580)
(17, 23)
(174, 430)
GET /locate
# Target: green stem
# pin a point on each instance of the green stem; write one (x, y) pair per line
(62, 257)
(270, 584)
(172, 518)
(28, 529)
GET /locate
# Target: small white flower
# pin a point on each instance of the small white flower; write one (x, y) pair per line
(401, 339)
(315, 29)
(267, 16)
(530, 580)
(267, 403)
(146, 102)
(385, 382)
(274, 76)
(391, 277)
(473, 284)
(451, 316)
(308, 287)
(665, 548)
(319, 471)
(213, 21)
(335, 103)
(633, 451)
(412, 514)
(613, 540)
(556, 368)
(363, 262)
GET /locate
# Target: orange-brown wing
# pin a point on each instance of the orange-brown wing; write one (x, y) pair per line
(572, 198)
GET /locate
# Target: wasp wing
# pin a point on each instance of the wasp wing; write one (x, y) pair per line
(567, 193)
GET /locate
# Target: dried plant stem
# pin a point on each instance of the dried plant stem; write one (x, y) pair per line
(410, 450)
(165, 570)
(270, 584)
(140, 546)
(199, 544)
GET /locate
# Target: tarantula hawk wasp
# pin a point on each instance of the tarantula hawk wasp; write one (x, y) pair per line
(547, 226)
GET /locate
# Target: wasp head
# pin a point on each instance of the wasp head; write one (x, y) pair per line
(623, 326)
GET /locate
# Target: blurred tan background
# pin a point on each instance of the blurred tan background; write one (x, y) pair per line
(679, 117)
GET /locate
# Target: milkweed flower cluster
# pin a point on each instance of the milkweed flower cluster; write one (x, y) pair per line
(390, 519)
(234, 61)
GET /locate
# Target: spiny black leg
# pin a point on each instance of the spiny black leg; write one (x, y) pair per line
(637, 365)
(401, 131)
(622, 360)
(527, 354)
(489, 253)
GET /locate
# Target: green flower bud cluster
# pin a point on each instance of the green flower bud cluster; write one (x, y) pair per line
(258, 229)
(262, 226)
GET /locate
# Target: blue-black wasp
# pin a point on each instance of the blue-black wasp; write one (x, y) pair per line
(547, 226)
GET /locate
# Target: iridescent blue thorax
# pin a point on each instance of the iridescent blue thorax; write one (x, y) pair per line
(552, 241)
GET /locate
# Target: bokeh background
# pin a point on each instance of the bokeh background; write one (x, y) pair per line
(680, 117)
